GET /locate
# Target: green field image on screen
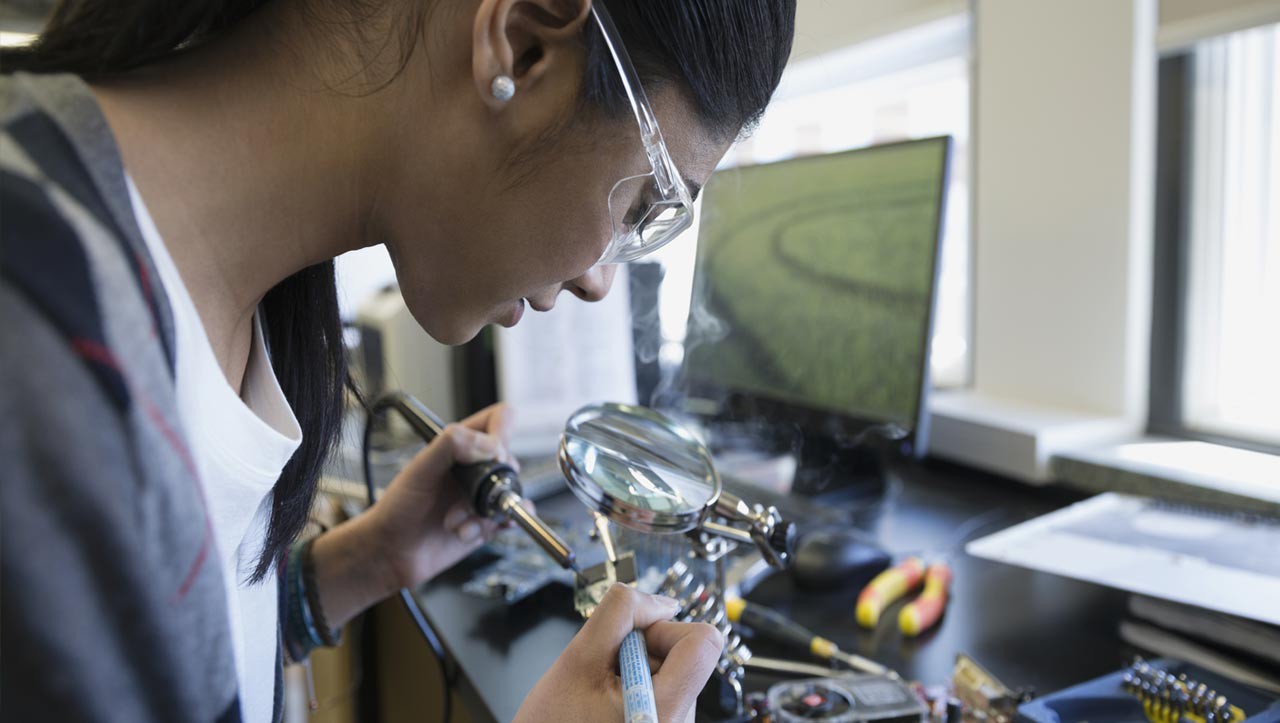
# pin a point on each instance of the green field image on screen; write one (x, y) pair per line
(818, 274)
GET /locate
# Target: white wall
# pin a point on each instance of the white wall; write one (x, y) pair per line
(1064, 110)
(826, 25)
(1063, 137)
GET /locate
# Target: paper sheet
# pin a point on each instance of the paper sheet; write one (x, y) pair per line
(551, 364)
(1219, 561)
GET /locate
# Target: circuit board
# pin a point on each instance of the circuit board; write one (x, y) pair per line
(522, 568)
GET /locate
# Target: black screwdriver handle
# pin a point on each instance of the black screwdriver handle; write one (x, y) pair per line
(771, 624)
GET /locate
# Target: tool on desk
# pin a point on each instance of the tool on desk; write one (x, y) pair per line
(1209, 654)
(773, 625)
(920, 614)
(791, 667)
(924, 612)
(888, 587)
(1167, 698)
(849, 699)
(1155, 691)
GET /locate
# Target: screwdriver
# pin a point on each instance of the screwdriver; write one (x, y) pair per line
(771, 624)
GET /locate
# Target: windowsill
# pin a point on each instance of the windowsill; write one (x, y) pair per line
(1042, 445)
(1190, 470)
(1013, 438)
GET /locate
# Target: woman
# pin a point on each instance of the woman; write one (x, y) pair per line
(177, 178)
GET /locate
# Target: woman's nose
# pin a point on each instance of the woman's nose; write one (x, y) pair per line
(594, 284)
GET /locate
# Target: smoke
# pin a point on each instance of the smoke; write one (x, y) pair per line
(703, 326)
(646, 312)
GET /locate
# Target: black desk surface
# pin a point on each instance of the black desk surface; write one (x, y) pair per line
(1031, 629)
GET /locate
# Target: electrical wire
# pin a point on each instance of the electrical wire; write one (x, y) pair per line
(411, 606)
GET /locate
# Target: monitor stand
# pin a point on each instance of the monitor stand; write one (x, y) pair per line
(831, 472)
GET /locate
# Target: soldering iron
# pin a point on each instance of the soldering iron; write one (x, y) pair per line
(493, 487)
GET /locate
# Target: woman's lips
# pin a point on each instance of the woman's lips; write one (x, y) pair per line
(512, 317)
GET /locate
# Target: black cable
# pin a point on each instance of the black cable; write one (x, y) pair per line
(427, 426)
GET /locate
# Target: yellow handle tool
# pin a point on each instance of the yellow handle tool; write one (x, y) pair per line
(887, 587)
(920, 614)
(769, 623)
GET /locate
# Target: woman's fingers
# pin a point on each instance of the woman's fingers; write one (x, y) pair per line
(689, 653)
(455, 445)
(496, 420)
(471, 446)
(467, 526)
(623, 609)
(457, 515)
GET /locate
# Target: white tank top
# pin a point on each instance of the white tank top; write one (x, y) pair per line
(241, 444)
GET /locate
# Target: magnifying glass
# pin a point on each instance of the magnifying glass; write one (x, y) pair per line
(646, 472)
(637, 468)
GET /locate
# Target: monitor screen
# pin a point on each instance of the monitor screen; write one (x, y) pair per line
(815, 280)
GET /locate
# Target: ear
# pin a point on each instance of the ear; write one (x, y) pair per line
(518, 38)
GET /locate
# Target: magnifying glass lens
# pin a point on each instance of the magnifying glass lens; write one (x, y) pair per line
(637, 467)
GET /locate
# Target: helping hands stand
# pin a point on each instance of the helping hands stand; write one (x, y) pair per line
(638, 469)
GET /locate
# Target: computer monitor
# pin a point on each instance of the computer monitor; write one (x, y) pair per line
(814, 291)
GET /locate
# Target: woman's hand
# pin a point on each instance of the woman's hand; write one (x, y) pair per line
(420, 527)
(583, 683)
(424, 518)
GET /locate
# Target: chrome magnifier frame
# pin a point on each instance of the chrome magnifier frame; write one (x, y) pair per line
(636, 517)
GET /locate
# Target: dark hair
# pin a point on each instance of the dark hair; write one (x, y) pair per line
(726, 55)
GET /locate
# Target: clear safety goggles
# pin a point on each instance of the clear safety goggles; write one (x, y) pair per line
(651, 209)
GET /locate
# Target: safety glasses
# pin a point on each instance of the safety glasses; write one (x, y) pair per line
(651, 209)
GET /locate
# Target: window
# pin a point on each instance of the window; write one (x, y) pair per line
(1228, 265)
(1232, 380)
(912, 84)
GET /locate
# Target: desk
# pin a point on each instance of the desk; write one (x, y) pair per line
(1029, 628)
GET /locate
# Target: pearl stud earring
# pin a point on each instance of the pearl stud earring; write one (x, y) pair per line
(503, 87)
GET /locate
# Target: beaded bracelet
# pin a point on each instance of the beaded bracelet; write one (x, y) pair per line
(302, 625)
(328, 635)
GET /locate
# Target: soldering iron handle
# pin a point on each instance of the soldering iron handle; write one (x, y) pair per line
(482, 481)
(493, 488)
(495, 492)
(478, 479)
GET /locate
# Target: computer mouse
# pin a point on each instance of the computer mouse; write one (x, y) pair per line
(833, 558)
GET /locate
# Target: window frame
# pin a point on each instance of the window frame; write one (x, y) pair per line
(1175, 131)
